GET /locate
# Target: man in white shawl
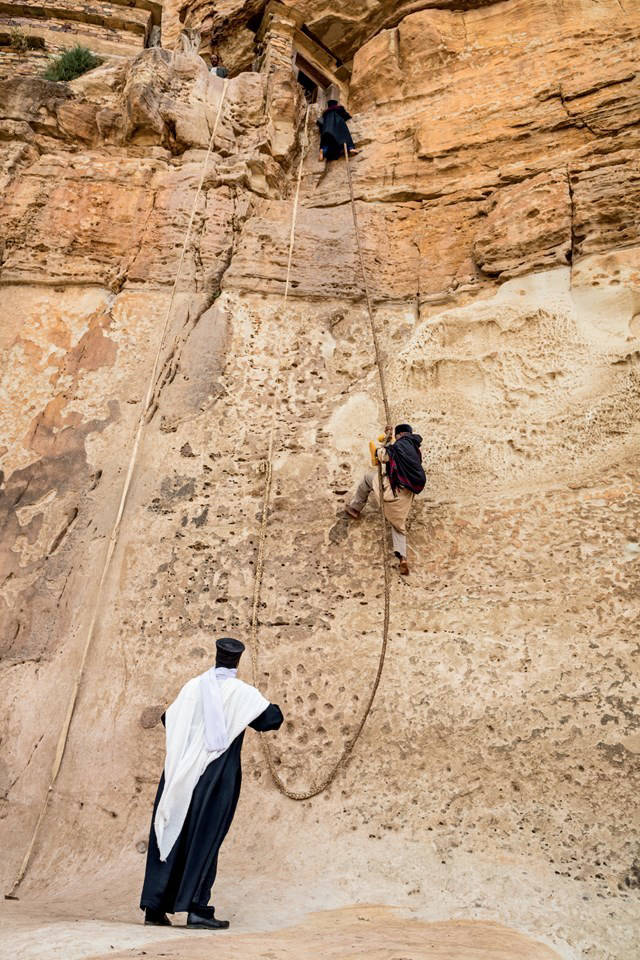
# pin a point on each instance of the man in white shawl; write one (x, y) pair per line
(199, 789)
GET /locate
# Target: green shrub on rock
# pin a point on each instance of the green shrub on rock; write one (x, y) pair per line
(19, 40)
(71, 64)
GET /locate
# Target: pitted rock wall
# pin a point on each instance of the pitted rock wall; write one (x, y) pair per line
(496, 194)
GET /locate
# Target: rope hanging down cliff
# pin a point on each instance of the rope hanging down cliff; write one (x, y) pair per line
(113, 539)
(349, 746)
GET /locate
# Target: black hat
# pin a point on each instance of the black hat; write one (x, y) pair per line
(332, 103)
(403, 428)
(228, 651)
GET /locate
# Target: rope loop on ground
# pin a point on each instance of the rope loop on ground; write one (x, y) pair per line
(113, 538)
(259, 574)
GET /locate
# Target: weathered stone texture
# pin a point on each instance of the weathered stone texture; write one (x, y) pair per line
(497, 193)
(121, 28)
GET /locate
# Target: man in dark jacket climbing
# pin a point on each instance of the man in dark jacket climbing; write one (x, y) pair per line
(402, 478)
(334, 132)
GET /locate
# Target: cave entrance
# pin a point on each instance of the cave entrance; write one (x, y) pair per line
(310, 88)
(284, 42)
(314, 83)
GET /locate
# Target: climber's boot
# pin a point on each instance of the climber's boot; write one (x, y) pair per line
(205, 920)
(352, 512)
(156, 918)
(403, 567)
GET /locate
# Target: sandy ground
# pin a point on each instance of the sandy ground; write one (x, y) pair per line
(375, 932)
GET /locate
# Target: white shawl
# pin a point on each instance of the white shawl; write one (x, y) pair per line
(187, 754)
(216, 737)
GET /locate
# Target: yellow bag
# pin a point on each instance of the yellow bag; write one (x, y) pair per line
(373, 447)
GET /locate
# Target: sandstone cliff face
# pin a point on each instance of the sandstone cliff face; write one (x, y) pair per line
(117, 29)
(498, 198)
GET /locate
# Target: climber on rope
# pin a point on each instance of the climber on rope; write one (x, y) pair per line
(199, 789)
(334, 132)
(402, 478)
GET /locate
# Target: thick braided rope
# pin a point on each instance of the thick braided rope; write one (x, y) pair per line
(374, 333)
(268, 463)
(349, 746)
(113, 539)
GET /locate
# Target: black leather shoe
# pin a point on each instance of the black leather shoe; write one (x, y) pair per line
(196, 922)
(155, 918)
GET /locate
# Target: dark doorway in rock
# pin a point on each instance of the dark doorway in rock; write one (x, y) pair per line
(312, 81)
(310, 88)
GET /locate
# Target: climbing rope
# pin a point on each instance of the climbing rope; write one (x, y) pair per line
(268, 468)
(374, 333)
(113, 539)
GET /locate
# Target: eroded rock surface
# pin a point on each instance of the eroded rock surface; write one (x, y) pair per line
(497, 189)
(43, 29)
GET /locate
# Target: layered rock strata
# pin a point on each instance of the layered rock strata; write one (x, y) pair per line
(497, 191)
(112, 29)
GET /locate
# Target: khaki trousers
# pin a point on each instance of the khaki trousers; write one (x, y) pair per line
(369, 484)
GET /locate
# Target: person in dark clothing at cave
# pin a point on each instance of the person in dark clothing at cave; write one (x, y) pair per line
(334, 132)
(199, 788)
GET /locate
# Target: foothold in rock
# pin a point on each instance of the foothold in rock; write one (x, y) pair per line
(201, 518)
(150, 716)
(338, 531)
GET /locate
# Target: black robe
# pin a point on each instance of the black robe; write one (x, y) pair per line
(334, 132)
(184, 881)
